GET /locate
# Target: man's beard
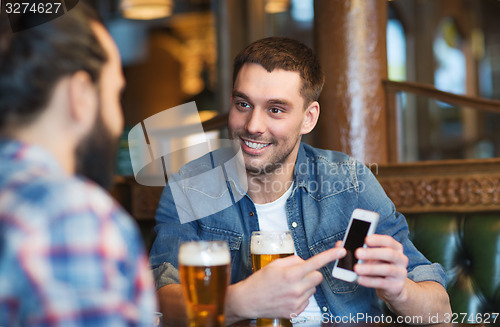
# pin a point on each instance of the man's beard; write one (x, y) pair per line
(96, 154)
(275, 163)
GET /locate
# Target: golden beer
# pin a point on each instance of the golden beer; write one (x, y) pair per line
(205, 270)
(261, 260)
(267, 246)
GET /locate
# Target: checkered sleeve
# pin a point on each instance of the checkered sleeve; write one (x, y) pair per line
(86, 266)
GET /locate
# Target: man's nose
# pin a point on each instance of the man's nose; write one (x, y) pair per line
(256, 123)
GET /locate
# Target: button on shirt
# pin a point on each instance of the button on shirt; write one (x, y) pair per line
(272, 217)
(327, 187)
(69, 256)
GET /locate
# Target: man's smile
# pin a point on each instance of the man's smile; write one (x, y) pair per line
(254, 147)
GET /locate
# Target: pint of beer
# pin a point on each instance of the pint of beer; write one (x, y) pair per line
(205, 269)
(267, 246)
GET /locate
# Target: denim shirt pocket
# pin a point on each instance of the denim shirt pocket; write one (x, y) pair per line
(336, 285)
(232, 238)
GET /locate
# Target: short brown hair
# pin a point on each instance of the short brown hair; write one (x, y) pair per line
(287, 54)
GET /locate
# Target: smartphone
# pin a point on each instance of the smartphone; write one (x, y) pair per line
(362, 224)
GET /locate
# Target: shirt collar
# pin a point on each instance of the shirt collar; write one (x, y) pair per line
(301, 169)
(16, 151)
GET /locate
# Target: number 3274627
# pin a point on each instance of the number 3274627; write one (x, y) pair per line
(479, 318)
(33, 7)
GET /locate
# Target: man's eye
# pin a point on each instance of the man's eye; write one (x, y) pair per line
(243, 105)
(275, 110)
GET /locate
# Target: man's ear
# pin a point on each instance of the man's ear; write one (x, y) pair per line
(83, 99)
(311, 116)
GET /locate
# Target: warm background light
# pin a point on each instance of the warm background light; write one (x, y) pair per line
(276, 6)
(146, 9)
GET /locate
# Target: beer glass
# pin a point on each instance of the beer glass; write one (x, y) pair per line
(267, 246)
(205, 269)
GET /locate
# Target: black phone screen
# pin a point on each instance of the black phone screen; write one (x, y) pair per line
(355, 239)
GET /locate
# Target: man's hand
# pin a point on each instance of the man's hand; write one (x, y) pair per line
(279, 289)
(384, 267)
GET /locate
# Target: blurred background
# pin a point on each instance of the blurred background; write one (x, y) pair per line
(176, 51)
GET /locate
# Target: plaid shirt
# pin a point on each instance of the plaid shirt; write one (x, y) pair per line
(69, 256)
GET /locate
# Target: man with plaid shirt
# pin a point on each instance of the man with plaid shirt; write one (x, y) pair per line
(69, 255)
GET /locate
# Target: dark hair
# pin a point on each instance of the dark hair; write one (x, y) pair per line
(33, 61)
(287, 54)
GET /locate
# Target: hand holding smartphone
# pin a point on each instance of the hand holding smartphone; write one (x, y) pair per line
(362, 224)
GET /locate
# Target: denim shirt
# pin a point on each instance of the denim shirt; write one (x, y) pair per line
(327, 187)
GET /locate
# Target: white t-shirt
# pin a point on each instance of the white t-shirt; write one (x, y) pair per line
(272, 217)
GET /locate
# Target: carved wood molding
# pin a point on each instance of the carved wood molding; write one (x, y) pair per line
(464, 186)
(453, 186)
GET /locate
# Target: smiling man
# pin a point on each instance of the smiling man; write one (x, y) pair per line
(268, 117)
(311, 192)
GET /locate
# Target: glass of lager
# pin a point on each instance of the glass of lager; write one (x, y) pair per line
(265, 247)
(205, 269)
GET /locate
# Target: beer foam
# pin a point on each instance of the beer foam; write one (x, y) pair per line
(193, 254)
(261, 245)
